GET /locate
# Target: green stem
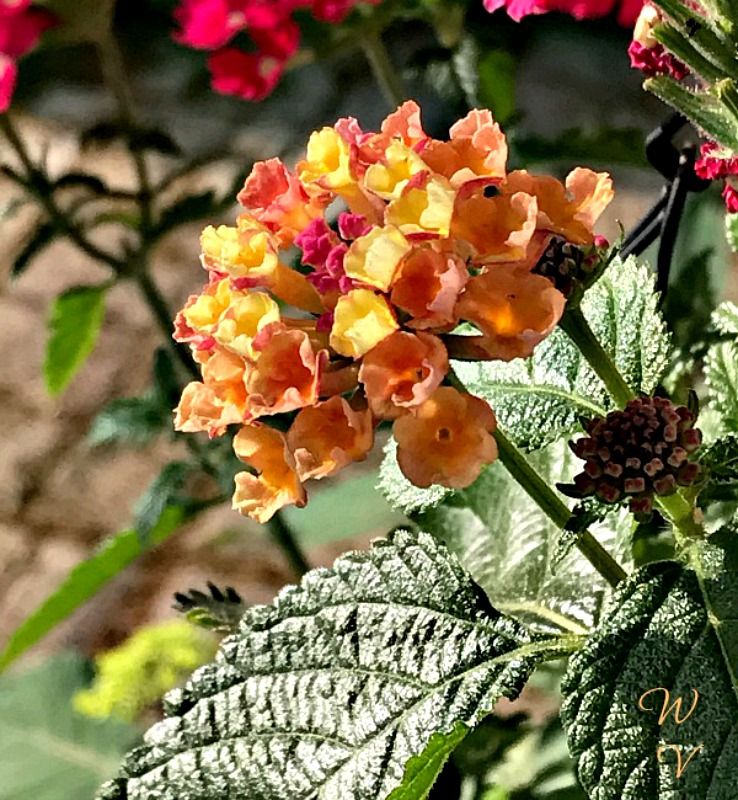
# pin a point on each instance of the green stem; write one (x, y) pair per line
(384, 71)
(39, 188)
(285, 538)
(165, 319)
(575, 324)
(116, 77)
(539, 491)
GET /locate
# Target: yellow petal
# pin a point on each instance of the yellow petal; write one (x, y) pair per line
(373, 258)
(361, 320)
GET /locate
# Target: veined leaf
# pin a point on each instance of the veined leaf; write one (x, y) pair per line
(84, 581)
(74, 325)
(539, 399)
(725, 318)
(658, 635)
(513, 551)
(47, 751)
(336, 688)
(163, 492)
(721, 375)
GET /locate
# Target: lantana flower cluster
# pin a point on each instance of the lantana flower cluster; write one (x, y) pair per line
(407, 251)
(21, 26)
(274, 35)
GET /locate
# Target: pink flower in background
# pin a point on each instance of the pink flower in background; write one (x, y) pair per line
(627, 10)
(249, 74)
(21, 27)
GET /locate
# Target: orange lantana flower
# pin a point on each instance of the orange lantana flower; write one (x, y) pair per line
(427, 286)
(275, 483)
(402, 372)
(447, 440)
(329, 436)
(286, 372)
(514, 310)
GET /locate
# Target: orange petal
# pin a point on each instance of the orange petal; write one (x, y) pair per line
(402, 371)
(447, 440)
(514, 309)
(275, 483)
(329, 436)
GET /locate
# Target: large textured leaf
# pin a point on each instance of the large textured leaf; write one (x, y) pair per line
(511, 548)
(721, 374)
(84, 581)
(74, 325)
(331, 691)
(47, 751)
(659, 634)
(539, 399)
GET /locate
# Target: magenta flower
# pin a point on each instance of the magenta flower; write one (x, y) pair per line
(580, 9)
(21, 26)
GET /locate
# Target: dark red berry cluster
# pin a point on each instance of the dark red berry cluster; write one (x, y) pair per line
(565, 265)
(641, 451)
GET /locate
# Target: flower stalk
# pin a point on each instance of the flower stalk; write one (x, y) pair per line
(575, 324)
(547, 500)
(385, 73)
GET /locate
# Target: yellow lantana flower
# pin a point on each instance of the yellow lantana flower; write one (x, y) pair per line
(361, 320)
(389, 179)
(424, 209)
(373, 258)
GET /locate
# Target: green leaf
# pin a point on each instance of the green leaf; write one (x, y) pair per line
(721, 376)
(510, 547)
(332, 691)
(74, 325)
(497, 74)
(539, 399)
(725, 318)
(421, 771)
(84, 581)
(658, 633)
(134, 420)
(41, 238)
(47, 751)
(721, 458)
(137, 420)
(163, 492)
(221, 610)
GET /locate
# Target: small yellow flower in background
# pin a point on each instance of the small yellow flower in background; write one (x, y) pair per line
(374, 257)
(138, 673)
(361, 320)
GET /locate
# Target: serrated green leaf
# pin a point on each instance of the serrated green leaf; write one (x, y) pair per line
(332, 690)
(47, 751)
(658, 633)
(721, 458)
(537, 400)
(74, 325)
(725, 318)
(132, 420)
(509, 546)
(422, 770)
(721, 376)
(41, 238)
(84, 581)
(163, 492)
